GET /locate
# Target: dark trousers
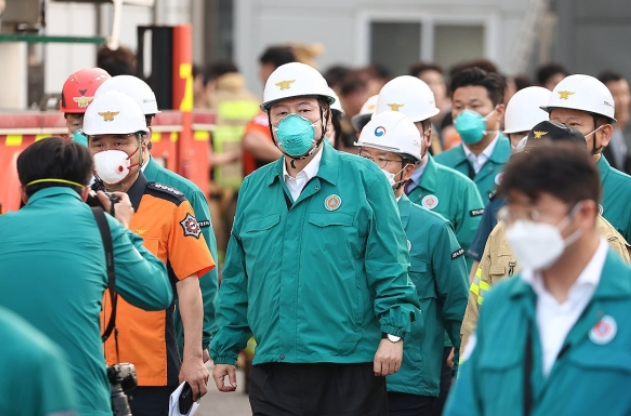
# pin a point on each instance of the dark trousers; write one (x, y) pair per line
(445, 384)
(401, 404)
(150, 401)
(323, 389)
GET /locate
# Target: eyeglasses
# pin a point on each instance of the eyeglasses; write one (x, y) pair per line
(381, 161)
(530, 214)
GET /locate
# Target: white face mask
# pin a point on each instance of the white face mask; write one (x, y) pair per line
(538, 245)
(112, 166)
(390, 176)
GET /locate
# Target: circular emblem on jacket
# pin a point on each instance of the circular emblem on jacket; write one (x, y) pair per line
(430, 201)
(332, 202)
(604, 331)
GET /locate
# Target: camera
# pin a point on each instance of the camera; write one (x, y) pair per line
(93, 201)
(122, 378)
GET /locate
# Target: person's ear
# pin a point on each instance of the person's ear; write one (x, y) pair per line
(587, 214)
(84, 193)
(408, 171)
(500, 111)
(23, 195)
(605, 135)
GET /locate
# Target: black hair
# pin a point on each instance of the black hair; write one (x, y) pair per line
(418, 68)
(278, 55)
(218, 69)
(609, 76)
(491, 81)
(378, 71)
(564, 170)
(54, 158)
(351, 84)
(121, 61)
(335, 75)
(522, 81)
(547, 71)
(481, 63)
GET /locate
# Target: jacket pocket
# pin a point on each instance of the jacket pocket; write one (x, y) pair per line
(421, 277)
(332, 219)
(262, 223)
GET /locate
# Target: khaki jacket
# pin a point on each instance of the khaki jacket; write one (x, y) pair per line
(498, 262)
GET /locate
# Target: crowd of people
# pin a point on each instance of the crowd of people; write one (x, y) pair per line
(405, 245)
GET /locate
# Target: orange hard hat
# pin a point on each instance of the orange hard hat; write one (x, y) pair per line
(79, 89)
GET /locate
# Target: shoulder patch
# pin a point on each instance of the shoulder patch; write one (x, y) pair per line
(457, 254)
(165, 192)
(204, 224)
(190, 226)
(476, 212)
(492, 195)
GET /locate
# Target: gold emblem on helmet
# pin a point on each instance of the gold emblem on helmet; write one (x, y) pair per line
(284, 85)
(82, 102)
(564, 95)
(109, 115)
(539, 134)
(395, 107)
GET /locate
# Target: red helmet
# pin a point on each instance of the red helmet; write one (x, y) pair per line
(79, 89)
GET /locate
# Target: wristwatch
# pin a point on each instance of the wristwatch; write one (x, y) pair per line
(392, 338)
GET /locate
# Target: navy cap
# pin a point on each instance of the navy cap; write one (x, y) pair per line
(555, 132)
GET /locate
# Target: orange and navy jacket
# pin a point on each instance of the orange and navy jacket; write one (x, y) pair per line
(259, 124)
(165, 220)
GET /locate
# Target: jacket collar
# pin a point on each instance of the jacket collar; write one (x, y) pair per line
(329, 167)
(428, 179)
(404, 204)
(502, 151)
(52, 192)
(612, 284)
(603, 168)
(151, 170)
(137, 190)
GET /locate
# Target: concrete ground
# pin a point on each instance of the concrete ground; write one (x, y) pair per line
(216, 403)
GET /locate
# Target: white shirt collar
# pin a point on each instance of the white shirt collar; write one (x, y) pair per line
(479, 160)
(590, 276)
(310, 170)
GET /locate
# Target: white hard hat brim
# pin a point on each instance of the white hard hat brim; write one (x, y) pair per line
(387, 149)
(268, 104)
(548, 110)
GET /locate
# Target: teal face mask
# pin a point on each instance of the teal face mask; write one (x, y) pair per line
(295, 135)
(471, 126)
(79, 137)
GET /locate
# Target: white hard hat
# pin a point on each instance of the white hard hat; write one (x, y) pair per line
(584, 93)
(294, 80)
(337, 105)
(523, 111)
(393, 132)
(410, 96)
(114, 113)
(365, 113)
(136, 88)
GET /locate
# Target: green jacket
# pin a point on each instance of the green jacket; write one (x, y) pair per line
(592, 376)
(452, 195)
(48, 389)
(616, 188)
(490, 174)
(439, 272)
(210, 281)
(318, 280)
(54, 246)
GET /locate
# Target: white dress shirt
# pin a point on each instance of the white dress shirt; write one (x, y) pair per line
(478, 161)
(555, 320)
(296, 185)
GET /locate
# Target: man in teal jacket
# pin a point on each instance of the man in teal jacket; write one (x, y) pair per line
(54, 246)
(477, 110)
(209, 282)
(437, 267)
(554, 340)
(316, 269)
(586, 104)
(434, 186)
(48, 390)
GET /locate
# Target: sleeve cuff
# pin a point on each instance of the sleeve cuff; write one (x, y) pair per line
(392, 330)
(222, 359)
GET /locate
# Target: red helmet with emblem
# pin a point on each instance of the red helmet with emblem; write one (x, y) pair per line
(79, 89)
